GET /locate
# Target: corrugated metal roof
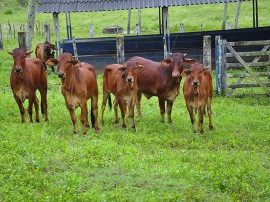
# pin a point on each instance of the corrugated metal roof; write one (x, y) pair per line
(51, 6)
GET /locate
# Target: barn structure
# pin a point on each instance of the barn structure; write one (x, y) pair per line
(103, 50)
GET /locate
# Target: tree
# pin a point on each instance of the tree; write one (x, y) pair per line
(30, 23)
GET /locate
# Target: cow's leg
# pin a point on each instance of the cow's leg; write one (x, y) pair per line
(209, 110)
(115, 106)
(36, 108)
(131, 114)
(122, 109)
(73, 119)
(30, 107)
(103, 105)
(138, 102)
(169, 110)
(20, 105)
(53, 69)
(192, 118)
(201, 114)
(162, 108)
(83, 117)
(94, 108)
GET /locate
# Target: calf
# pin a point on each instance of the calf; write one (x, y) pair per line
(28, 75)
(198, 92)
(161, 79)
(79, 84)
(45, 51)
(121, 80)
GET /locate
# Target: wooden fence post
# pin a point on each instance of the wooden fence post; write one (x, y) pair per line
(220, 65)
(22, 40)
(47, 32)
(75, 49)
(91, 31)
(182, 27)
(1, 38)
(207, 51)
(120, 49)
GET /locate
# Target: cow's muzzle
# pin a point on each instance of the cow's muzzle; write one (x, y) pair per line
(18, 69)
(195, 83)
(61, 75)
(175, 74)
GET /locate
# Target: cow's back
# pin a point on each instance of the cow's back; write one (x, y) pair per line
(155, 78)
(86, 79)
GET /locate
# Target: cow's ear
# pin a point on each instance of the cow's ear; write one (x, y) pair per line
(185, 72)
(73, 61)
(51, 62)
(189, 60)
(122, 68)
(28, 52)
(166, 62)
(10, 52)
(206, 69)
(139, 66)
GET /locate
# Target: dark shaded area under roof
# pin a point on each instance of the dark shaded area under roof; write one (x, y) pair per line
(58, 6)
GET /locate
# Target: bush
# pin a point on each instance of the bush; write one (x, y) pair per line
(9, 11)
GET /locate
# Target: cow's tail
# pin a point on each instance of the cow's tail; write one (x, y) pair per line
(110, 101)
(42, 108)
(93, 120)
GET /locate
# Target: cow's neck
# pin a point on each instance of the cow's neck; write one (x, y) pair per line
(68, 82)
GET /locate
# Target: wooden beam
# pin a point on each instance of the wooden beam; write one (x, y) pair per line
(56, 33)
(251, 54)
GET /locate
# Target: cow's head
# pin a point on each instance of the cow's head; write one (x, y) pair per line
(49, 50)
(66, 63)
(195, 74)
(176, 61)
(129, 72)
(19, 55)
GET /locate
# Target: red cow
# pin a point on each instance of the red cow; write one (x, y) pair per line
(28, 75)
(45, 51)
(161, 79)
(198, 92)
(121, 80)
(79, 84)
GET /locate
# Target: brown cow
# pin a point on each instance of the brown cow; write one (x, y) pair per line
(161, 79)
(198, 92)
(79, 84)
(45, 51)
(121, 80)
(26, 77)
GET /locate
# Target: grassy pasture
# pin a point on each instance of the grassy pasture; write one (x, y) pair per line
(160, 162)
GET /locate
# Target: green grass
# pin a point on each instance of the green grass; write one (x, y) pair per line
(160, 162)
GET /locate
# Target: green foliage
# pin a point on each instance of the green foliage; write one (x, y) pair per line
(8, 11)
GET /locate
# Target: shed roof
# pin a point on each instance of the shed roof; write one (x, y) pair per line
(58, 6)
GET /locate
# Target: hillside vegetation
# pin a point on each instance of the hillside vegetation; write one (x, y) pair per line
(160, 161)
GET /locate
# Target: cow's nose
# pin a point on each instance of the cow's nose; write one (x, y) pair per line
(195, 82)
(175, 74)
(60, 74)
(18, 69)
(129, 79)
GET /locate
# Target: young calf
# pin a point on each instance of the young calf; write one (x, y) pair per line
(28, 75)
(198, 92)
(79, 84)
(45, 51)
(121, 80)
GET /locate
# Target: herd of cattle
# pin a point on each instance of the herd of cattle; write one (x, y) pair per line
(126, 81)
